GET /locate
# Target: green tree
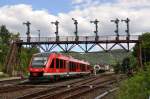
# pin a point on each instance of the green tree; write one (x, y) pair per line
(125, 64)
(117, 67)
(129, 62)
(145, 46)
(4, 44)
(5, 34)
(26, 53)
(26, 56)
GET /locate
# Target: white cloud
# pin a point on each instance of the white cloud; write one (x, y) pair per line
(134, 1)
(13, 16)
(77, 1)
(136, 4)
(81, 4)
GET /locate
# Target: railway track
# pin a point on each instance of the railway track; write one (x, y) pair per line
(73, 88)
(54, 91)
(12, 82)
(27, 85)
(73, 92)
(11, 85)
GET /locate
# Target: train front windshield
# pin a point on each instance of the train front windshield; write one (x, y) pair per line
(39, 62)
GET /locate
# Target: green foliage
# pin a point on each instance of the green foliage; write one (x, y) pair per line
(117, 67)
(129, 62)
(137, 87)
(145, 39)
(4, 44)
(133, 62)
(125, 64)
(5, 34)
(102, 57)
(4, 50)
(5, 41)
(26, 55)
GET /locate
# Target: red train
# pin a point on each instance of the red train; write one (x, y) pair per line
(51, 66)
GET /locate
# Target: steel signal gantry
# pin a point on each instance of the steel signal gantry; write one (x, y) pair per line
(28, 30)
(117, 28)
(96, 28)
(56, 24)
(76, 29)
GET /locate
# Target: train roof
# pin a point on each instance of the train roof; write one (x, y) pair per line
(46, 54)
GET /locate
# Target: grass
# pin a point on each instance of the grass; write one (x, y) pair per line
(137, 87)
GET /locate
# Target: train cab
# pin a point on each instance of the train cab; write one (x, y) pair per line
(37, 65)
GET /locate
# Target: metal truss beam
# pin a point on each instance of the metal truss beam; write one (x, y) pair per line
(69, 47)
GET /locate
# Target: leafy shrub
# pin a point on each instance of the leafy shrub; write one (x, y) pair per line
(137, 87)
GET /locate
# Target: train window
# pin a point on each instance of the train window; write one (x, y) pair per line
(64, 65)
(74, 66)
(57, 63)
(88, 67)
(77, 66)
(80, 67)
(39, 62)
(52, 64)
(61, 63)
(83, 67)
(69, 65)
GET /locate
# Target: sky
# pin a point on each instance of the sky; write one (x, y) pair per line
(53, 6)
(42, 12)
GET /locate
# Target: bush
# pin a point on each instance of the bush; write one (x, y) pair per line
(137, 87)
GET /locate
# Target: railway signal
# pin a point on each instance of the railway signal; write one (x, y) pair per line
(116, 21)
(127, 30)
(56, 24)
(28, 30)
(39, 34)
(96, 28)
(76, 29)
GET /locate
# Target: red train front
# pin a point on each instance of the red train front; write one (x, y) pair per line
(51, 66)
